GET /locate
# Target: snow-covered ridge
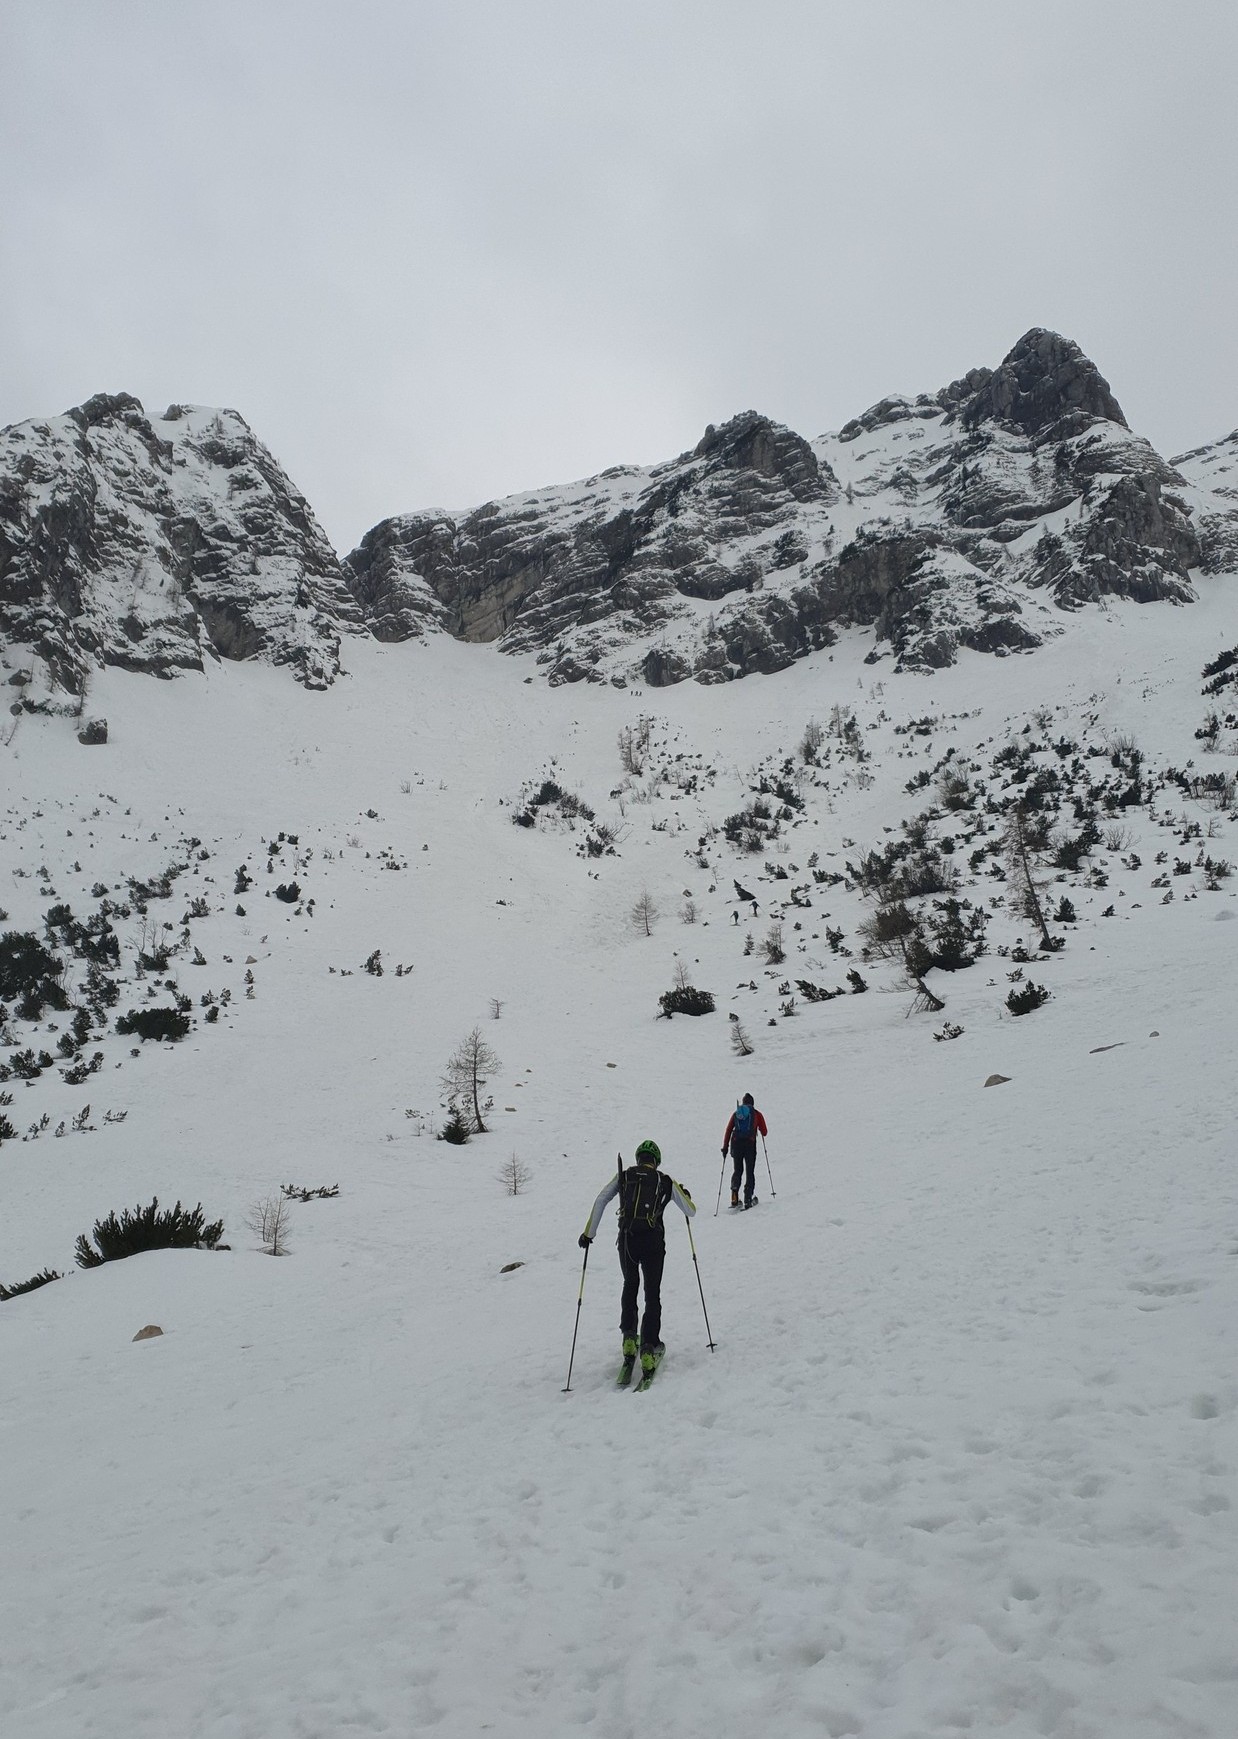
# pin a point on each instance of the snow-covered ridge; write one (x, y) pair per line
(155, 543)
(977, 517)
(970, 517)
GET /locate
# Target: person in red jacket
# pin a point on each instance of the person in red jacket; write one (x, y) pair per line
(745, 1124)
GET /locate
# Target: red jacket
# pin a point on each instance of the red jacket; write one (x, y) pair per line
(759, 1127)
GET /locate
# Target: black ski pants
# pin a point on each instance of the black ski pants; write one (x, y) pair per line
(642, 1255)
(744, 1157)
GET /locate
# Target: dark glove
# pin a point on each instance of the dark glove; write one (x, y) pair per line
(584, 1240)
(724, 1153)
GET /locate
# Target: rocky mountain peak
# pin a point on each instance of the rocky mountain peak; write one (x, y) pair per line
(106, 405)
(967, 518)
(970, 517)
(1046, 388)
(752, 442)
(157, 543)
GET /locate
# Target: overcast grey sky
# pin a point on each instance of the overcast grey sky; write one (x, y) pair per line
(438, 251)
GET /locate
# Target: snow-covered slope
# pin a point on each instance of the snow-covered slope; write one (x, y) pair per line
(964, 1457)
(155, 543)
(972, 517)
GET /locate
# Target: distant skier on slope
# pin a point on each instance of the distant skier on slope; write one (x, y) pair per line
(745, 1124)
(644, 1195)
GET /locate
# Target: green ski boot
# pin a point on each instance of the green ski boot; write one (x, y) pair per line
(650, 1359)
(629, 1360)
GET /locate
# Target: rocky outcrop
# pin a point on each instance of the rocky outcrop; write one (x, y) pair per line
(1210, 477)
(752, 443)
(965, 518)
(157, 543)
(968, 518)
(1136, 543)
(611, 561)
(387, 576)
(1045, 388)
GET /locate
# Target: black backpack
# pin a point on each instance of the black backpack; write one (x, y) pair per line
(643, 1195)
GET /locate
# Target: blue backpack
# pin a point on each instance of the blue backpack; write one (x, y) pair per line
(744, 1121)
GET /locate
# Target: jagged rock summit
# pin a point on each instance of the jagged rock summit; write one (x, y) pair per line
(159, 543)
(971, 517)
(1046, 388)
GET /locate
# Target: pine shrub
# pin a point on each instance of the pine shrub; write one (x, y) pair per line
(456, 1130)
(815, 992)
(686, 999)
(956, 934)
(147, 1229)
(29, 974)
(1027, 997)
(155, 1023)
(31, 1285)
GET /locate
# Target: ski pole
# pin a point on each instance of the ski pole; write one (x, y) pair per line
(765, 1151)
(721, 1176)
(700, 1288)
(579, 1301)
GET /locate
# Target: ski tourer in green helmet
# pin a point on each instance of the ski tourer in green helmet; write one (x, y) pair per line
(645, 1192)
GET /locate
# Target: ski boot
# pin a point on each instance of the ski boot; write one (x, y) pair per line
(650, 1358)
(630, 1350)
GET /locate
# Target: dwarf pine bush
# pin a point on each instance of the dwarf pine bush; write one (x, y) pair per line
(1026, 998)
(43, 1278)
(686, 999)
(155, 1023)
(147, 1229)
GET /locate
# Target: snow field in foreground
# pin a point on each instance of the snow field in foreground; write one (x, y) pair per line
(963, 1460)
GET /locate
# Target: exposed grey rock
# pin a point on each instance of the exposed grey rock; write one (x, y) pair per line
(156, 543)
(890, 410)
(969, 517)
(663, 668)
(622, 550)
(1211, 492)
(1045, 387)
(1137, 543)
(386, 575)
(750, 442)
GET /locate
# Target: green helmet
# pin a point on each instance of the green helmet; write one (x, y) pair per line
(649, 1153)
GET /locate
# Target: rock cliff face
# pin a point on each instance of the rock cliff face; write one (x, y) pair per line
(971, 517)
(1211, 475)
(600, 564)
(974, 517)
(157, 543)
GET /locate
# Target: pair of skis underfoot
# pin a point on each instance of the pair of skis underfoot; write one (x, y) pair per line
(629, 1366)
(742, 1207)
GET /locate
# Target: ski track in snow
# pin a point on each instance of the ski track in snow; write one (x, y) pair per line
(964, 1459)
